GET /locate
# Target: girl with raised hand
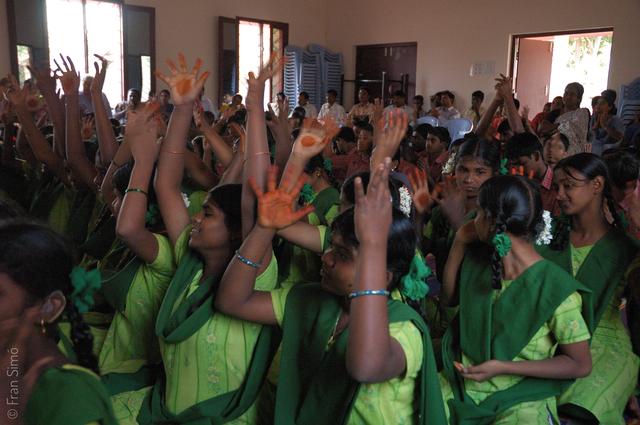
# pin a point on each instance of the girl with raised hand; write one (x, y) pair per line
(519, 338)
(213, 364)
(130, 349)
(39, 285)
(598, 254)
(328, 372)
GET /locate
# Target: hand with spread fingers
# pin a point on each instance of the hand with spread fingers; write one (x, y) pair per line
(15, 94)
(422, 198)
(101, 73)
(69, 77)
(387, 139)
(372, 212)
(185, 85)
(314, 136)
(45, 80)
(255, 94)
(275, 207)
(452, 202)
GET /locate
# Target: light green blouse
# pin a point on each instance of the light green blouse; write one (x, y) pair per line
(131, 341)
(389, 402)
(213, 360)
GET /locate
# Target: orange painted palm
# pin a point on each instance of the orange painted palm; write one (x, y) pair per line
(276, 206)
(185, 85)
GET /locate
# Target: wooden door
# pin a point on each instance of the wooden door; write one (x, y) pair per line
(533, 75)
(395, 60)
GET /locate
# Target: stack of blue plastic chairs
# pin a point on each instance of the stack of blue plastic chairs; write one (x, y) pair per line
(314, 70)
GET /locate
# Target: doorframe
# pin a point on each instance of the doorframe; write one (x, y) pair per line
(512, 71)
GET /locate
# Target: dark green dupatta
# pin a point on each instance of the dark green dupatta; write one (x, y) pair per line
(175, 326)
(485, 330)
(315, 387)
(601, 272)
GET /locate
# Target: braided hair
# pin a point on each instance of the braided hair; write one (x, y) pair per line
(590, 166)
(514, 203)
(40, 261)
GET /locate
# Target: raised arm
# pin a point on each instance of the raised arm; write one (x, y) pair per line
(487, 117)
(142, 133)
(279, 125)
(372, 354)
(77, 160)
(185, 88)
(198, 171)
(257, 156)
(504, 87)
(46, 82)
(236, 294)
(220, 149)
(39, 146)
(464, 236)
(106, 139)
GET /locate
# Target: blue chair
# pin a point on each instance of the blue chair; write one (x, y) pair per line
(432, 121)
(459, 127)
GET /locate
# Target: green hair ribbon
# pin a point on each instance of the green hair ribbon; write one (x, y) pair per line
(503, 167)
(501, 243)
(85, 284)
(152, 215)
(307, 194)
(413, 285)
(328, 165)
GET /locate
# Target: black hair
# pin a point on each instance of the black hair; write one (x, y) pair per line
(120, 182)
(135, 90)
(591, 166)
(40, 261)
(443, 134)
(419, 97)
(612, 104)
(364, 88)
(400, 93)
(333, 92)
(365, 126)
(423, 130)
(522, 144)
(346, 134)
(348, 188)
(579, 88)
(480, 149)
(517, 103)
(318, 162)
(623, 167)
(515, 204)
(449, 94)
(227, 197)
(401, 245)
(563, 138)
(240, 117)
(165, 91)
(504, 127)
(478, 94)
(304, 94)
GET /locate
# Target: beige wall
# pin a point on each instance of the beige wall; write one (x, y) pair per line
(190, 26)
(452, 35)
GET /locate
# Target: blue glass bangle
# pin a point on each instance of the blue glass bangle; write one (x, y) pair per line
(247, 261)
(357, 294)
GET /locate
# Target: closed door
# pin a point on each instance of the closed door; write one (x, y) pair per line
(397, 61)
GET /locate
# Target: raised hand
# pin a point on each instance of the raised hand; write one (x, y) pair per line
(15, 94)
(314, 136)
(452, 202)
(255, 94)
(237, 130)
(101, 72)
(378, 109)
(45, 79)
(504, 86)
(422, 198)
(185, 85)
(388, 139)
(467, 233)
(142, 131)
(275, 207)
(69, 77)
(373, 211)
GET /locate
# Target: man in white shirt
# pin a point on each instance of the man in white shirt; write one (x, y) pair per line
(332, 108)
(309, 108)
(84, 99)
(446, 112)
(400, 102)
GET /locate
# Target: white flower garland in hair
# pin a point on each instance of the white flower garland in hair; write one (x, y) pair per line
(450, 164)
(545, 236)
(186, 200)
(405, 201)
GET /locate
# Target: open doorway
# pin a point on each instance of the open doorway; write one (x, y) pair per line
(543, 64)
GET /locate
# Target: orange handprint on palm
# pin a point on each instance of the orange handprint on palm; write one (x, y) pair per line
(422, 198)
(314, 136)
(275, 207)
(185, 85)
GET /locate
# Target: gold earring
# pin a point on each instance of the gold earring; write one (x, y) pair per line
(43, 328)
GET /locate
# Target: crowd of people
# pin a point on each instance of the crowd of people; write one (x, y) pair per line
(160, 264)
